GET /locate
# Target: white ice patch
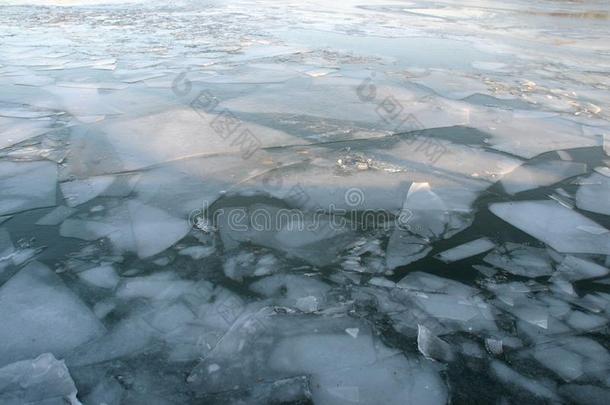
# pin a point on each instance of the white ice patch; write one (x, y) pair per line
(39, 314)
(563, 229)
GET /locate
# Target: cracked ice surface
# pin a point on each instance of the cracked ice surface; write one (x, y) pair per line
(278, 202)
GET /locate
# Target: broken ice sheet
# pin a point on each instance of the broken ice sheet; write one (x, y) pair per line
(41, 315)
(27, 185)
(77, 192)
(466, 250)
(542, 174)
(594, 194)
(563, 229)
(43, 380)
(573, 269)
(521, 260)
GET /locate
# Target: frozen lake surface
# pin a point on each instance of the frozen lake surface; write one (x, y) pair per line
(265, 202)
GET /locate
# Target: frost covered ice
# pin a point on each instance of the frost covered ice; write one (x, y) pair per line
(304, 202)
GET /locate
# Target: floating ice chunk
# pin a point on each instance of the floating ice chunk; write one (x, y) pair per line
(170, 318)
(128, 337)
(197, 252)
(594, 194)
(404, 248)
(585, 322)
(185, 132)
(466, 250)
(40, 381)
(571, 357)
(57, 216)
(426, 209)
(510, 377)
(533, 314)
(314, 238)
(240, 265)
(433, 347)
(573, 269)
(346, 369)
(448, 301)
(521, 260)
(103, 276)
(304, 293)
(77, 192)
(511, 132)
(448, 84)
(555, 225)
(154, 230)
(15, 130)
(27, 185)
(541, 174)
(40, 315)
(158, 286)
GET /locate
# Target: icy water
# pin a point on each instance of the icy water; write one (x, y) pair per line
(265, 202)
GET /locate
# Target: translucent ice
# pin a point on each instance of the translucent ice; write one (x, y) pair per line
(594, 194)
(466, 250)
(561, 228)
(27, 185)
(41, 314)
(545, 173)
(521, 260)
(77, 192)
(40, 381)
